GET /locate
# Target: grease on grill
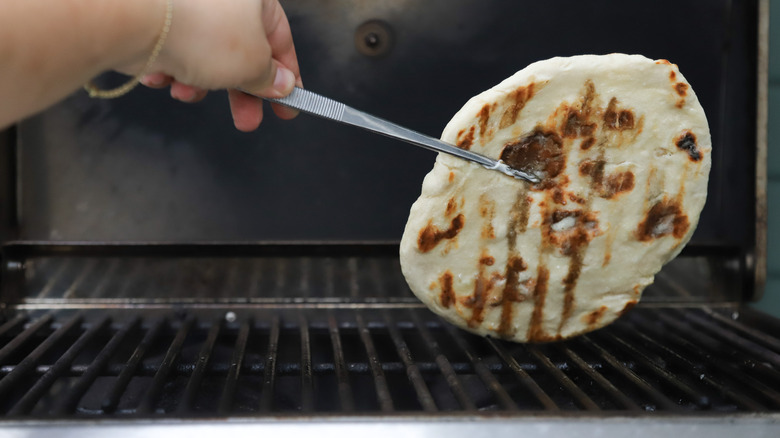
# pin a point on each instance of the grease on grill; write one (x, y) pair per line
(687, 142)
(664, 218)
(430, 236)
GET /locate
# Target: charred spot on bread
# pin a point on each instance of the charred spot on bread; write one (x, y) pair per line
(539, 152)
(664, 218)
(686, 142)
(618, 119)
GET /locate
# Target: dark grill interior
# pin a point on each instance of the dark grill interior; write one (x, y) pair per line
(370, 360)
(113, 342)
(185, 271)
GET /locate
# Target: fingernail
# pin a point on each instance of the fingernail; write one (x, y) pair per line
(284, 80)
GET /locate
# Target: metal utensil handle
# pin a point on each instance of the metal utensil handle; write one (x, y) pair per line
(312, 103)
(315, 104)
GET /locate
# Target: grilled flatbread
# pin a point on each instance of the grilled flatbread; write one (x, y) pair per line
(623, 147)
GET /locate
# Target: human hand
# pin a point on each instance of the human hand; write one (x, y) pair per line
(228, 45)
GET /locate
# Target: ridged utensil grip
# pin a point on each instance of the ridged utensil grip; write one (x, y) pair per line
(312, 103)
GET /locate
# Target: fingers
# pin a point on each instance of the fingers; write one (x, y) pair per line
(156, 80)
(186, 93)
(247, 110)
(179, 91)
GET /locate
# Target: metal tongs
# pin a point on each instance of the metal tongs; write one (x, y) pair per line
(315, 104)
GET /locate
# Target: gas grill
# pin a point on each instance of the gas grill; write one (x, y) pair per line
(162, 273)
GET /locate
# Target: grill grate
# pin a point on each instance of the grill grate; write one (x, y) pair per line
(119, 364)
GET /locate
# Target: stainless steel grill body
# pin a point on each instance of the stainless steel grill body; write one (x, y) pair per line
(183, 278)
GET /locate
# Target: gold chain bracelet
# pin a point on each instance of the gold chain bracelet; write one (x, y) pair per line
(95, 92)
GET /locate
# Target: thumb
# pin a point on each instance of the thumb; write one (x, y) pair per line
(282, 84)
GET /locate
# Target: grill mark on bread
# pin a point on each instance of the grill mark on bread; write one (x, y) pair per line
(618, 183)
(482, 287)
(465, 138)
(447, 295)
(484, 119)
(535, 329)
(452, 205)
(629, 305)
(595, 316)
(518, 99)
(487, 209)
(610, 186)
(511, 294)
(577, 122)
(618, 119)
(572, 242)
(430, 236)
(518, 223)
(664, 218)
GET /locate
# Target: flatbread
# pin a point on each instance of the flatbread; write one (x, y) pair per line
(624, 148)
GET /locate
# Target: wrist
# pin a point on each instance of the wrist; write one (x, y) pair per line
(138, 25)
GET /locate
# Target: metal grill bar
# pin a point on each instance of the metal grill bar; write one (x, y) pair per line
(98, 365)
(523, 377)
(342, 376)
(717, 346)
(229, 390)
(580, 396)
(12, 324)
(307, 382)
(412, 370)
(111, 401)
(765, 338)
(658, 367)
(704, 357)
(190, 391)
(449, 372)
(31, 397)
(29, 363)
(380, 382)
(656, 395)
(696, 370)
(24, 336)
(736, 340)
(269, 373)
(483, 373)
(618, 396)
(147, 404)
